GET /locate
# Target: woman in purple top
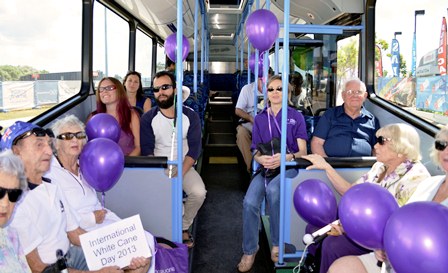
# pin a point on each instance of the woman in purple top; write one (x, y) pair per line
(111, 98)
(266, 127)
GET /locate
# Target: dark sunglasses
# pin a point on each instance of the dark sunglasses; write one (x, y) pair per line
(441, 145)
(70, 136)
(163, 87)
(381, 140)
(13, 194)
(279, 89)
(39, 132)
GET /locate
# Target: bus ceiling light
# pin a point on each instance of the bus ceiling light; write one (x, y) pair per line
(310, 15)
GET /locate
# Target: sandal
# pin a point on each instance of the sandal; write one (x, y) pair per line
(189, 242)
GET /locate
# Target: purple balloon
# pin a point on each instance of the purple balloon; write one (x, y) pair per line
(101, 163)
(363, 211)
(262, 29)
(171, 47)
(314, 201)
(260, 64)
(103, 125)
(416, 240)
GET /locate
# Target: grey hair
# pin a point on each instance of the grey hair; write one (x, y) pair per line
(11, 164)
(70, 120)
(362, 85)
(434, 154)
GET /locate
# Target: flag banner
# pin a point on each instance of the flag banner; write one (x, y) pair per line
(432, 95)
(441, 56)
(395, 57)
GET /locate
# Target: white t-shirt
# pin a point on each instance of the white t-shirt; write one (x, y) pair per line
(42, 220)
(80, 196)
(246, 101)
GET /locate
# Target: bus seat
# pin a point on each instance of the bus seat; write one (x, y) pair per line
(144, 189)
(350, 168)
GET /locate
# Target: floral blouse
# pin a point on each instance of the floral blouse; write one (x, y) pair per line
(12, 259)
(402, 182)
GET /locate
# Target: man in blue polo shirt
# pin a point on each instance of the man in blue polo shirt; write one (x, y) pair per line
(347, 130)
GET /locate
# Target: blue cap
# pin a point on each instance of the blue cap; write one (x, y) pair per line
(17, 129)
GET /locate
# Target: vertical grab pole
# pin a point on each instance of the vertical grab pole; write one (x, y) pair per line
(283, 138)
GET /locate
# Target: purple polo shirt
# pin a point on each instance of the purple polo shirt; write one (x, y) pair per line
(295, 128)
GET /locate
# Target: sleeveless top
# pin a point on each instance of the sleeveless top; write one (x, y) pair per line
(126, 142)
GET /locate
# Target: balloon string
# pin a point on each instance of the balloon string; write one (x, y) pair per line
(103, 195)
(301, 262)
(170, 173)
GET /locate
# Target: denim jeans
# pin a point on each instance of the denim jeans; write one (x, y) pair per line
(251, 210)
(76, 259)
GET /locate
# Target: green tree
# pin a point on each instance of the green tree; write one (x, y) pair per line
(348, 59)
(13, 73)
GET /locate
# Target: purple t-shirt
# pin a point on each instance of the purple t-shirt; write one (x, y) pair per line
(295, 128)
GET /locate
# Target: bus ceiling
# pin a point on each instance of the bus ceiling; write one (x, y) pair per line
(225, 18)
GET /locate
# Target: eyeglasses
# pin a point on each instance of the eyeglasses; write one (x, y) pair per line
(13, 194)
(279, 89)
(107, 88)
(163, 87)
(70, 136)
(354, 92)
(39, 132)
(381, 140)
(441, 145)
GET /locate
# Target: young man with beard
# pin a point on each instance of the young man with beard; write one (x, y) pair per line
(158, 127)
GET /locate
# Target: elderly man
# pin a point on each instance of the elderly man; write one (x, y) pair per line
(44, 220)
(346, 130)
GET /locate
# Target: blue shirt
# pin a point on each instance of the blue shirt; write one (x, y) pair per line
(347, 137)
(295, 128)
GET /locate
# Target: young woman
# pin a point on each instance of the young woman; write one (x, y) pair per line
(133, 85)
(111, 99)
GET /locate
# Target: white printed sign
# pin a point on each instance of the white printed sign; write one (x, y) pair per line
(115, 244)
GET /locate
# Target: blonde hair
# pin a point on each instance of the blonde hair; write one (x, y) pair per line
(404, 139)
(434, 153)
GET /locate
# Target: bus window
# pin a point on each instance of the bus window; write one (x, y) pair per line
(110, 44)
(411, 57)
(39, 57)
(161, 57)
(143, 57)
(348, 49)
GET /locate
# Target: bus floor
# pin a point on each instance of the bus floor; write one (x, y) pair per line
(218, 227)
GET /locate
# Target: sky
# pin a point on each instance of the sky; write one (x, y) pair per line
(51, 40)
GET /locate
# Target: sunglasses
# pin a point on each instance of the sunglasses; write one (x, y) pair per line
(13, 194)
(39, 132)
(381, 140)
(163, 87)
(70, 136)
(107, 88)
(441, 145)
(279, 89)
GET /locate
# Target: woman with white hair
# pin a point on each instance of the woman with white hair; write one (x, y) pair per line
(12, 184)
(398, 169)
(432, 189)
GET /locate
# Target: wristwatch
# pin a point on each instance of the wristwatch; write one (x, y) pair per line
(293, 157)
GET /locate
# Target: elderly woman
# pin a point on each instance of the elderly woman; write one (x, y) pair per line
(432, 189)
(70, 138)
(397, 169)
(267, 182)
(12, 184)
